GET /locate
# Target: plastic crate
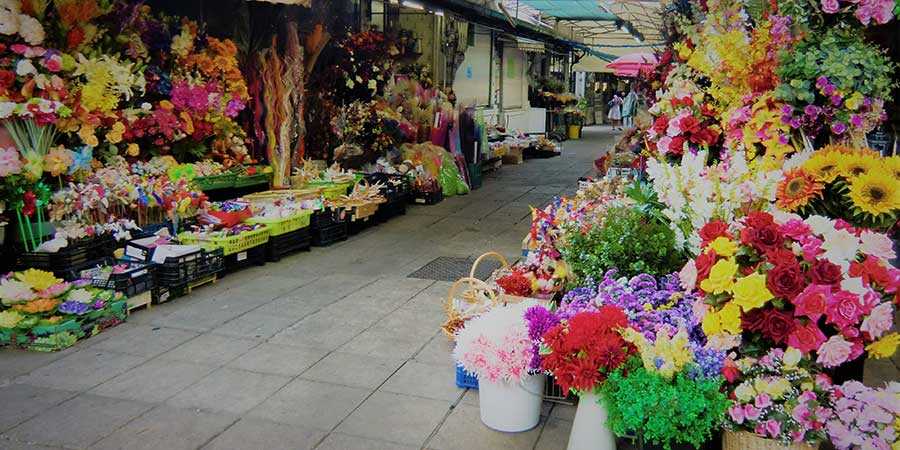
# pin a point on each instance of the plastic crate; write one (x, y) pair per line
(281, 245)
(277, 227)
(390, 210)
(61, 262)
(474, 170)
(213, 182)
(255, 256)
(427, 198)
(465, 380)
(137, 279)
(241, 181)
(327, 235)
(357, 226)
(326, 217)
(231, 244)
(177, 272)
(335, 191)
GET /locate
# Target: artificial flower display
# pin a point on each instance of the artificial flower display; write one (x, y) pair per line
(776, 396)
(864, 417)
(496, 345)
(816, 285)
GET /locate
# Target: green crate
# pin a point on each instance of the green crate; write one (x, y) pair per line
(252, 180)
(213, 182)
(231, 244)
(285, 225)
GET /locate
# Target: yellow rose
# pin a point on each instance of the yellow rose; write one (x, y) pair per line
(792, 357)
(721, 277)
(114, 136)
(750, 292)
(133, 149)
(884, 347)
(726, 320)
(724, 247)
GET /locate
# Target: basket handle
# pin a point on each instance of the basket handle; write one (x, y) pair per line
(473, 282)
(494, 255)
(361, 180)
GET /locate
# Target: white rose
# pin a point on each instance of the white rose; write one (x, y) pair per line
(31, 30)
(25, 68)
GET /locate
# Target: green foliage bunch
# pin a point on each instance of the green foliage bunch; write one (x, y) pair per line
(629, 240)
(663, 411)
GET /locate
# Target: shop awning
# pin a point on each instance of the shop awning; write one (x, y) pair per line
(572, 9)
(525, 44)
(305, 3)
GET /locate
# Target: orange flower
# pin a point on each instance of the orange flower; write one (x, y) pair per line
(37, 306)
(188, 123)
(796, 189)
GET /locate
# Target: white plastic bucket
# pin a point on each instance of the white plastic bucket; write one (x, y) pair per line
(590, 430)
(512, 407)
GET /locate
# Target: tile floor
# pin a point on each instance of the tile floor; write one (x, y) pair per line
(335, 349)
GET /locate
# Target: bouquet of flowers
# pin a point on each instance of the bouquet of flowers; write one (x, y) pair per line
(584, 349)
(864, 417)
(496, 345)
(672, 374)
(686, 125)
(817, 285)
(777, 397)
(651, 303)
(856, 185)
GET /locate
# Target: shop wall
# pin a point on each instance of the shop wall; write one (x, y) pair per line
(472, 83)
(515, 84)
(426, 29)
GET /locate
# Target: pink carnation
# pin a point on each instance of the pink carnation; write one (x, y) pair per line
(834, 352)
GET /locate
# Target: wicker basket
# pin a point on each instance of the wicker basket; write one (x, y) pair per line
(503, 297)
(745, 440)
(476, 299)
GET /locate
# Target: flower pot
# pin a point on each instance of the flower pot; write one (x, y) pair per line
(590, 430)
(511, 407)
(744, 440)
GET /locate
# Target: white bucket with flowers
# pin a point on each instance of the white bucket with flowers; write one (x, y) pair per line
(497, 348)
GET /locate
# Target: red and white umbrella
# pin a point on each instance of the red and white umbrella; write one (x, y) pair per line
(633, 64)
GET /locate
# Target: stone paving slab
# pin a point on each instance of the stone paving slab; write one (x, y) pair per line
(331, 349)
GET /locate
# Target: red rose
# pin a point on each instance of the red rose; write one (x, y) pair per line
(690, 125)
(781, 256)
(704, 263)
(661, 124)
(806, 338)
(677, 145)
(7, 78)
(75, 37)
(758, 219)
(730, 370)
(825, 272)
(786, 281)
(765, 239)
(713, 230)
(687, 101)
(778, 325)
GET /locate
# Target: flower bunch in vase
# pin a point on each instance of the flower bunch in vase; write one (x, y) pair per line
(816, 284)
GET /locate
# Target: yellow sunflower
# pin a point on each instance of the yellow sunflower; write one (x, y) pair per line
(892, 165)
(857, 164)
(875, 192)
(796, 189)
(823, 166)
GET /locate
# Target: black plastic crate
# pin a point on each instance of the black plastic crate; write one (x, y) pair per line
(255, 256)
(60, 263)
(137, 279)
(324, 236)
(390, 210)
(396, 187)
(279, 246)
(355, 227)
(426, 198)
(326, 217)
(177, 272)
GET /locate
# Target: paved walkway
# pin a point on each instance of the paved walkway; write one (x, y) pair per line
(335, 349)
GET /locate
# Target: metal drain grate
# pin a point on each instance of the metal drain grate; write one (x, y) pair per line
(447, 268)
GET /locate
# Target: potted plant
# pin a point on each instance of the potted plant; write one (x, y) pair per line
(670, 393)
(497, 348)
(580, 352)
(778, 402)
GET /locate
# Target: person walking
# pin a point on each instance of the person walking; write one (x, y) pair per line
(615, 112)
(629, 108)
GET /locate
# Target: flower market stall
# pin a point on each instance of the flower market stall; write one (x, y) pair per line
(737, 262)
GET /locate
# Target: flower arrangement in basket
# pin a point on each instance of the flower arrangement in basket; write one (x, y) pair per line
(816, 284)
(541, 276)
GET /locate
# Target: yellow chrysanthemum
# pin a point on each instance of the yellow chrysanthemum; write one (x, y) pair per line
(823, 165)
(884, 347)
(750, 292)
(856, 164)
(38, 279)
(875, 192)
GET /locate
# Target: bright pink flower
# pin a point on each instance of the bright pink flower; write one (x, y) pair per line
(795, 229)
(834, 352)
(751, 412)
(763, 401)
(806, 338)
(830, 6)
(773, 428)
(812, 302)
(844, 309)
(812, 248)
(737, 414)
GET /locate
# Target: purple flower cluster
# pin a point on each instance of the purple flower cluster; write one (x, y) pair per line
(539, 320)
(708, 362)
(76, 308)
(651, 304)
(838, 112)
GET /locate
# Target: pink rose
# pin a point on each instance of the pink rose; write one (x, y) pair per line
(844, 309)
(864, 12)
(812, 302)
(884, 11)
(834, 352)
(806, 338)
(688, 276)
(879, 321)
(54, 63)
(737, 414)
(663, 145)
(773, 428)
(751, 412)
(830, 6)
(763, 401)
(812, 248)
(800, 412)
(795, 229)
(877, 245)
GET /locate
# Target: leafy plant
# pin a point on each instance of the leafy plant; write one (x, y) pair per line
(629, 241)
(634, 398)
